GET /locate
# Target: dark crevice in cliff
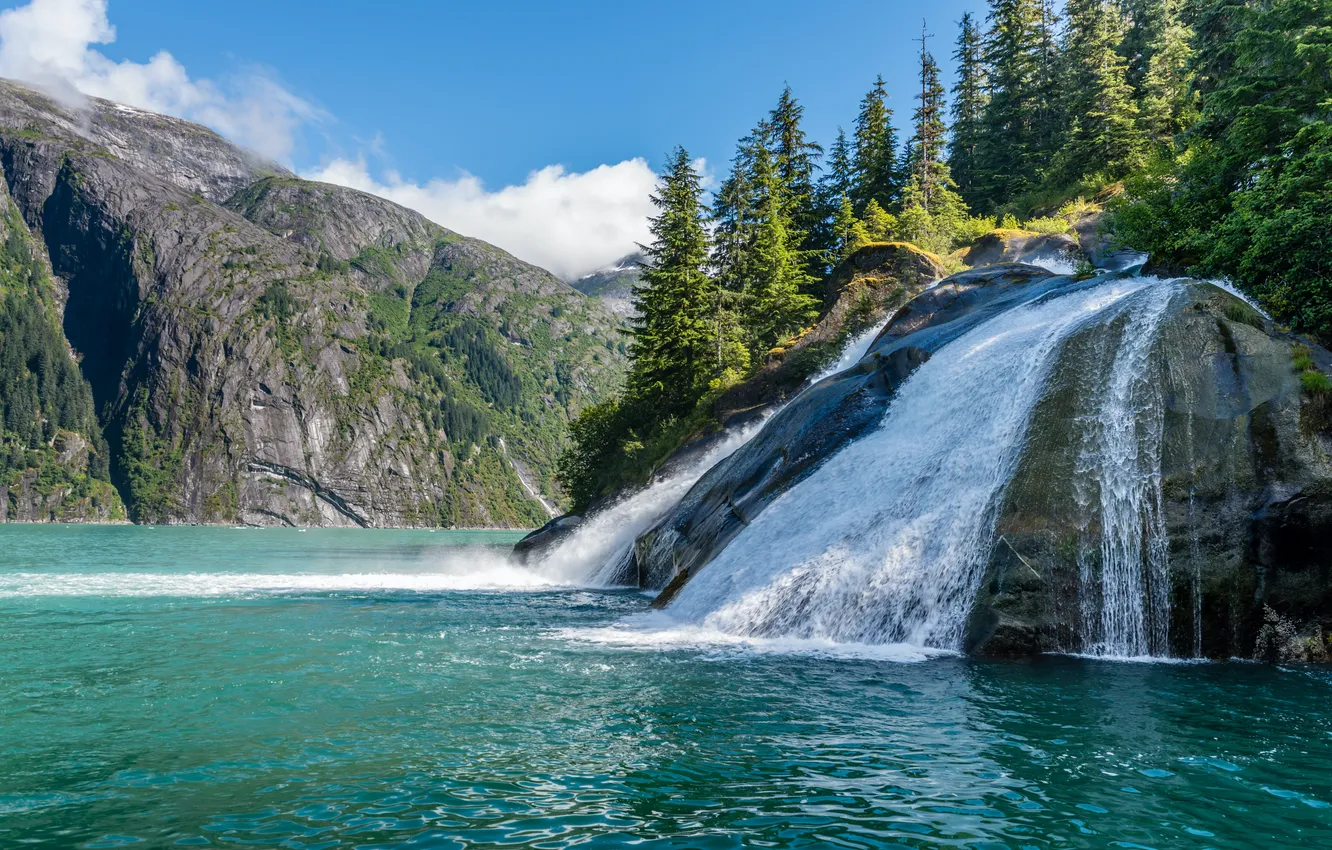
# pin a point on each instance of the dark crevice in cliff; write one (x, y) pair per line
(93, 253)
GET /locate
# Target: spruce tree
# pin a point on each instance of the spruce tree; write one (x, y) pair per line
(777, 300)
(875, 157)
(926, 147)
(795, 165)
(676, 298)
(834, 186)
(1050, 119)
(845, 235)
(1103, 136)
(1009, 154)
(1165, 103)
(839, 178)
(968, 108)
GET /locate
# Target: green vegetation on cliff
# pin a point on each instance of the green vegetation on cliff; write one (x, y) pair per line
(53, 460)
(268, 350)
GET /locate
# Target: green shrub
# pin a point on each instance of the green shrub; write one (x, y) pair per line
(1315, 383)
(1047, 225)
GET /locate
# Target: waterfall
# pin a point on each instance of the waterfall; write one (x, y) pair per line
(855, 348)
(595, 553)
(887, 540)
(1125, 596)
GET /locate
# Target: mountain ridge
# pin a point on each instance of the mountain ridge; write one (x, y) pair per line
(269, 350)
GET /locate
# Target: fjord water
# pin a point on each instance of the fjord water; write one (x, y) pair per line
(223, 687)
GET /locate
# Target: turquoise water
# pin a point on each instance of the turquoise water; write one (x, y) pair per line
(275, 688)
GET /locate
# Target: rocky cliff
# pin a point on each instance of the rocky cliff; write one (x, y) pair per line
(268, 350)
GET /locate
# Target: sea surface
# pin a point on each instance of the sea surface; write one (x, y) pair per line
(164, 687)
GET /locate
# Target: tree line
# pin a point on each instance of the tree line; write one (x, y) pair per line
(1211, 114)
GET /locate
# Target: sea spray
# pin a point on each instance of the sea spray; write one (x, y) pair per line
(887, 540)
(593, 554)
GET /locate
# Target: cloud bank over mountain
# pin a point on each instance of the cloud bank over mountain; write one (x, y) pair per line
(569, 222)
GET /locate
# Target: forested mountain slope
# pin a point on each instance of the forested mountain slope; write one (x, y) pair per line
(268, 350)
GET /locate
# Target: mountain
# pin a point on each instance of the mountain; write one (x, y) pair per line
(264, 349)
(614, 285)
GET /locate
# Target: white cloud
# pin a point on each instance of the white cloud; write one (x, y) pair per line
(50, 43)
(569, 223)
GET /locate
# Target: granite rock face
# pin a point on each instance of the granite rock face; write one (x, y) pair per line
(267, 350)
(1243, 510)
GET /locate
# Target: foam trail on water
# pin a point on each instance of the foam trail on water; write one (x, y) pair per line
(492, 575)
(885, 542)
(593, 554)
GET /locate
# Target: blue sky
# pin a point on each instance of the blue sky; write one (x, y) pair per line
(393, 95)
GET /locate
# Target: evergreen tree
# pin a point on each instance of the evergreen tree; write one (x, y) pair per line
(846, 237)
(835, 185)
(1252, 193)
(968, 108)
(1103, 136)
(926, 146)
(875, 157)
(839, 179)
(795, 163)
(1165, 102)
(778, 303)
(673, 334)
(733, 219)
(1050, 119)
(1009, 153)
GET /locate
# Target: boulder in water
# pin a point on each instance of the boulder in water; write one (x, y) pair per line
(1231, 499)
(540, 541)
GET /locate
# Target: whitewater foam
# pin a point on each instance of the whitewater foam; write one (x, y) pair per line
(488, 576)
(657, 631)
(594, 554)
(885, 542)
(856, 347)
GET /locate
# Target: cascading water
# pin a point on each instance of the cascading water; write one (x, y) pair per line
(1124, 592)
(854, 349)
(595, 553)
(887, 540)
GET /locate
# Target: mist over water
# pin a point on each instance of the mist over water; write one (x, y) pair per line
(594, 553)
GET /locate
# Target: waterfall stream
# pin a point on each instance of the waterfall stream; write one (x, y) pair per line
(886, 541)
(596, 552)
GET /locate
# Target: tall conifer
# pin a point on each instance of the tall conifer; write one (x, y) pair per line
(673, 333)
(968, 108)
(927, 145)
(1010, 152)
(875, 158)
(1102, 136)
